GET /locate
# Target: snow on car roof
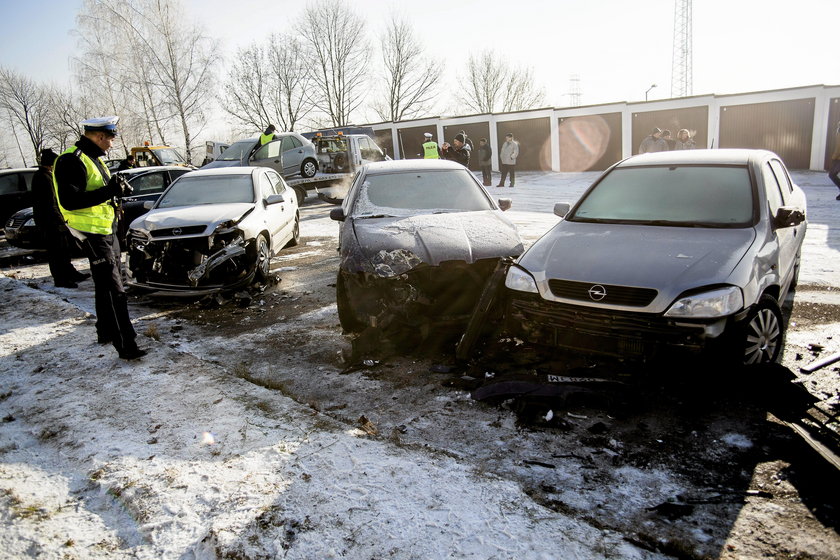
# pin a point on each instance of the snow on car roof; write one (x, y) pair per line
(403, 165)
(716, 156)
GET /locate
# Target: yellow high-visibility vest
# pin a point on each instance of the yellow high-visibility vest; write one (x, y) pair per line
(97, 219)
(430, 150)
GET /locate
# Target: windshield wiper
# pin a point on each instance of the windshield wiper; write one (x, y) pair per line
(374, 216)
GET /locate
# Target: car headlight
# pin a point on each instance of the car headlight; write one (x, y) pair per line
(519, 280)
(707, 305)
(29, 223)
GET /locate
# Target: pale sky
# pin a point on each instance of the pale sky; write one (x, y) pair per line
(618, 48)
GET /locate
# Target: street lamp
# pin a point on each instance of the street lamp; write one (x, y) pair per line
(648, 90)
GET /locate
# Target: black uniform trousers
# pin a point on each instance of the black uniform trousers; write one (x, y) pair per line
(60, 247)
(112, 321)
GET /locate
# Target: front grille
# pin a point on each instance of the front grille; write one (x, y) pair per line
(615, 295)
(16, 221)
(599, 330)
(186, 230)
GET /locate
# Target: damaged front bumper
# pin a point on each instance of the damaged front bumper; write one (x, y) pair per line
(185, 266)
(603, 331)
(441, 295)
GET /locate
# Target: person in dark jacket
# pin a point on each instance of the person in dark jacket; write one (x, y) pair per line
(86, 192)
(485, 161)
(456, 151)
(59, 242)
(127, 163)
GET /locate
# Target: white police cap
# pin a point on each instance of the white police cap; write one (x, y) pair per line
(101, 124)
(428, 134)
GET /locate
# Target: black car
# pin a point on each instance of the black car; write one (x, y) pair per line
(148, 184)
(15, 191)
(418, 241)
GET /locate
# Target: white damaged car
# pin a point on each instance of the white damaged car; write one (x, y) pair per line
(213, 230)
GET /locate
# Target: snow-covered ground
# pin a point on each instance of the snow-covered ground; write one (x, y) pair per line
(174, 457)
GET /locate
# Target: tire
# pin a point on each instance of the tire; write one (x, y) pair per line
(300, 193)
(347, 316)
(339, 162)
(263, 259)
(761, 335)
(308, 168)
(295, 240)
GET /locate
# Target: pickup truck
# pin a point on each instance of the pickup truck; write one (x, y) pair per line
(339, 156)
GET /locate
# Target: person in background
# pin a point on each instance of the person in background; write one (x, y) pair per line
(485, 161)
(834, 168)
(127, 163)
(430, 147)
(507, 160)
(267, 135)
(666, 135)
(684, 140)
(51, 223)
(653, 143)
(457, 151)
(86, 194)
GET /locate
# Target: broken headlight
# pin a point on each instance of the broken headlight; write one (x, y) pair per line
(519, 280)
(720, 302)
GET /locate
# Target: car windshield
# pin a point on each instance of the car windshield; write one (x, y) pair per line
(237, 151)
(168, 156)
(692, 196)
(208, 189)
(420, 192)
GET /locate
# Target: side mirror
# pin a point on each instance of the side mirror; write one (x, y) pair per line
(147, 205)
(561, 209)
(274, 199)
(788, 216)
(337, 214)
(505, 204)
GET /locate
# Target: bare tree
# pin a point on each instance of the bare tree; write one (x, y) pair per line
(270, 84)
(25, 105)
(164, 62)
(492, 85)
(336, 36)
(411, 82)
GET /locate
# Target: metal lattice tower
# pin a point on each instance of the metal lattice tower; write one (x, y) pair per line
(681, 62)
(574, 90)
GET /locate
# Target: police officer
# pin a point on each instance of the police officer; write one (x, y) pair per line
(430, 147)
(86, 195)
(267, 135)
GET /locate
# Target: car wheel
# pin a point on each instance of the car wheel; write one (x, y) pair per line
(347, 316)
(300, 193)
(308, 168)
(263, 259)
(762, 333)
(295, 240)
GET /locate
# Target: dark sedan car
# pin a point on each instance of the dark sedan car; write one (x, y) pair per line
(15, 191)
(418, 240)
(148, 184)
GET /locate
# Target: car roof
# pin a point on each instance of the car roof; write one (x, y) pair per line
(18, 170)
(138, 170)
(236, 170)
(724, 156)
(408, 165)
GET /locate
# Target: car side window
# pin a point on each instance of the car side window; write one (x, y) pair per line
(148, 183)
(288, 144)
(10, 183)
(277, 183)
(774, 191)
(268, 151)
(266, 185)
(295, 142)
(782, 177)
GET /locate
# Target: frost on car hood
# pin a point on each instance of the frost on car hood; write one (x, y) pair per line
(206, 214)
(394, 245)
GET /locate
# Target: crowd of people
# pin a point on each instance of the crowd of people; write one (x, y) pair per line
(460, 150)
(660, 141)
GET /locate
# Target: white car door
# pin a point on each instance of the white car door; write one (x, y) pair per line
(283, 213)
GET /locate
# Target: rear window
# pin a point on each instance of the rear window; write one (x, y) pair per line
(692, 196)
(421, 192)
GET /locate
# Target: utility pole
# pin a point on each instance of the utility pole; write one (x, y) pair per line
(574, 90)
(681, 61)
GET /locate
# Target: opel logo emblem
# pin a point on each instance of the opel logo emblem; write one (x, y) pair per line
(597, 292)
(177, 231)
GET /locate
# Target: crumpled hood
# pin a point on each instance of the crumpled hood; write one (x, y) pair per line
(434, 238)
(668, 259)
(204, 214)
